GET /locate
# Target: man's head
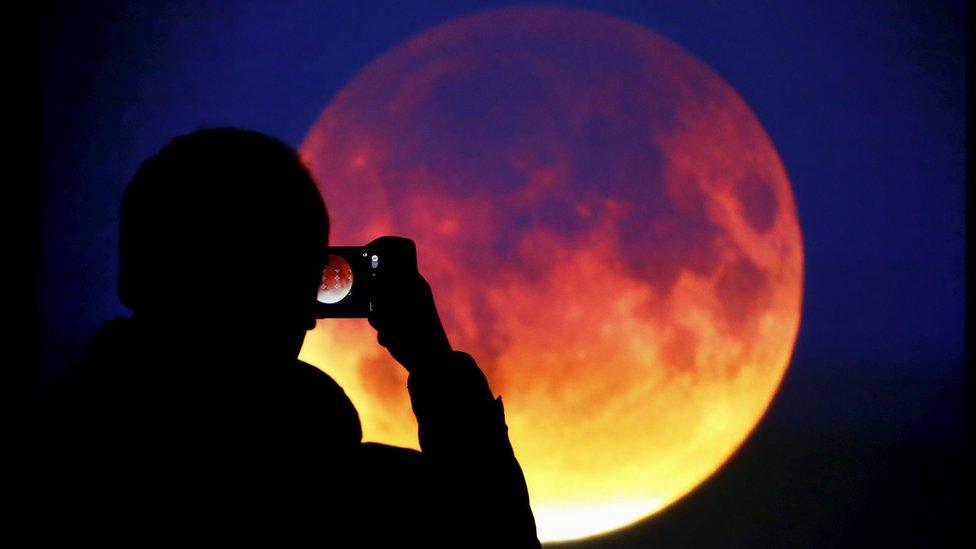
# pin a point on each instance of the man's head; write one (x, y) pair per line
(224, 229)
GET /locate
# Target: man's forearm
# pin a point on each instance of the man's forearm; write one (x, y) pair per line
(462, 432)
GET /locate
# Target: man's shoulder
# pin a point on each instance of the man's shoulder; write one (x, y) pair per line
(316, 393)
(314, 376)
(315, 381)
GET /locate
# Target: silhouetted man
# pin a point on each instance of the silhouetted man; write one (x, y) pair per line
(194, 418)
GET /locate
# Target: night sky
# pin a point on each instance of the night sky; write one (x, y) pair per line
(865, 102)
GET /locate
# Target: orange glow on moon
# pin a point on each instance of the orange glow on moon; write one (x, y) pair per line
(607, 229)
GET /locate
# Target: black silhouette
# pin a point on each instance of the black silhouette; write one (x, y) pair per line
(193, 419)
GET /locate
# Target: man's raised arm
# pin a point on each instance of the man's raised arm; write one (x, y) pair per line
(462, 427)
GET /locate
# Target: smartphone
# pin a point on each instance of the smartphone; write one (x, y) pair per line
(347, 280)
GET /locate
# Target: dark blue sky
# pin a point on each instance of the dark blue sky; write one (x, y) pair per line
(865, 102)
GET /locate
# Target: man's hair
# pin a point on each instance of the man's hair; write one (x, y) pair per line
(222, 214)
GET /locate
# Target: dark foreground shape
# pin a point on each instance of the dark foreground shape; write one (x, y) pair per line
(193, 420)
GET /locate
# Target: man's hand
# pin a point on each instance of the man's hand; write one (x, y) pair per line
(404, 314)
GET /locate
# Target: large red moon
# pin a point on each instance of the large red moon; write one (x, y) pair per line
(607, 229)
